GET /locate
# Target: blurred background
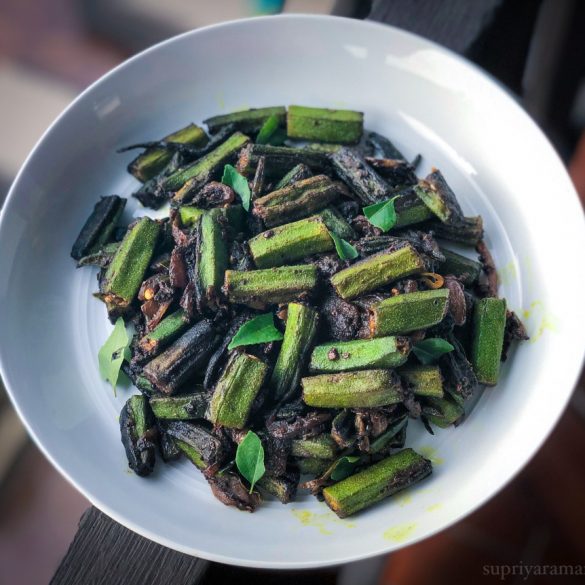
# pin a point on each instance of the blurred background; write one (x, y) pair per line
(50, 50)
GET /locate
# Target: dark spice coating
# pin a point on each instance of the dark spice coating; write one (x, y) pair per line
(204, 281)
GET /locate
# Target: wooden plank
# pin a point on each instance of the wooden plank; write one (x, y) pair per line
(105, 553)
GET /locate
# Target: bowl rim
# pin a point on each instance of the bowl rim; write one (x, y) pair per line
(500, 483)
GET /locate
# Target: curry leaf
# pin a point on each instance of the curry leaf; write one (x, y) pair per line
(344, 249)
(430, 350)
(268, 129)
(382, 215)
(113, 352)
(260, 329)
(238, 183)
(250, 458)
(344, 467)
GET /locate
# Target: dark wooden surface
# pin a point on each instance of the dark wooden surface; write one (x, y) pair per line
(103, 552)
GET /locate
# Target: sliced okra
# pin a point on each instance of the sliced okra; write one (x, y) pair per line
(246, 120)
(465, 269)
(151, 344)
(468, 231)
(410, 210)
(324, 125)
(101, 258)
(436, 194)
(297, 173)
(336, 223)
(283, 487)
(319, 447)
(423, 380)
(183, 407)
(442, 411)
(138, 434)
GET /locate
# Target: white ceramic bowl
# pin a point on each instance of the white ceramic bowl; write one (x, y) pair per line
(426, 99)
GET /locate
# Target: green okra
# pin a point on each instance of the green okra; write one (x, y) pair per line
(187, 179)
(410, 210)
(408, 312)
(442, 412)
(301, 326)
(353, 170)
(296, 201)
(173, 325)
(390, 438)
(377, 482)
(312, 465)
(361, 389)
(183, 407)
(283, 487)
(233, 213)
(246, 120)
(383, 146)
(468, 231)
(153, 160)
(293, 241)
(436, 194)
(328, 148)
(297, 173)
(361, 354)
(319, 447)
(198, 443)
(465, 269)
(125, 272)
(138, 434)
(99, 227)
(236, 390)
(280, 159)
(423, 380)
(324, 125)
(336, 223)
(212, 256)
(489, 324)
(258, 288)
(376, 271)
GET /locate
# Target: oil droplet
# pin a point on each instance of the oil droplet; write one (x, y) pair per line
(399, 533)
(434, 507)
(538, 320)
(320, 521)
(430, 453)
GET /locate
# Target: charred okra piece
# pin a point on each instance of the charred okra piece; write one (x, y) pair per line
(296, 201)
(324, 125)
(376, 271)
(125, 272)
(246, 120)
(344, 356)
(465, 269)
(353, 170)
(319, 447)
(377, 482)
(383, 146)
(362, 389)
(138, 434)
(408, 312)
(283, 487)
(200, 446)
(101, 258)
(99, 226)
(392, 437)
(436, 194)
(236, 390)
(336, 223)
(280, 159)
(153, 160)
(212, 256)
(423, 380)
(442, 412)
(258, 288)
(183, 407)
(410, 210)
(297, 173)
(183, 358)
(468, 231)
(188, 179)
(398, 173)
(489, 324)
(290, 242)
(151, 344)
(301, 326)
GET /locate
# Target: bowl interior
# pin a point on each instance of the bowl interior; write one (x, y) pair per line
(428, 101)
